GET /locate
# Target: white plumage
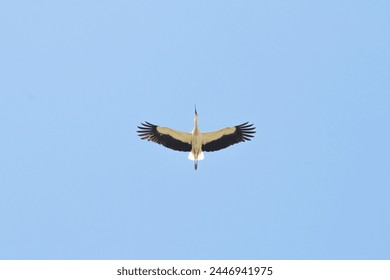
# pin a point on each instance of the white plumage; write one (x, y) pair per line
(196, 142)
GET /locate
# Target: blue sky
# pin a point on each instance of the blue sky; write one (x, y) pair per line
(77, 77)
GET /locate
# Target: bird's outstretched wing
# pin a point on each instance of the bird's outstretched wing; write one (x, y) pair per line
(170, 138)
(223, 138)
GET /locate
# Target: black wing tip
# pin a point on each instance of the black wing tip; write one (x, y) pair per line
(247, 131)
(146, 130)
(246, 128)
(146, 125)
(246, 124)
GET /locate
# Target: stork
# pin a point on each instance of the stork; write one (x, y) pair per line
(196, 142)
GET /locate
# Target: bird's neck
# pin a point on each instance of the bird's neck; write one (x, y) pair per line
(196, 129)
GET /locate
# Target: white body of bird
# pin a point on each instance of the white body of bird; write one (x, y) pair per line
(196, 142)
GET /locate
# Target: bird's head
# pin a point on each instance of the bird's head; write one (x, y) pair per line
(195, 122)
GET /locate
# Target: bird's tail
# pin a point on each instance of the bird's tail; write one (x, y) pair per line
(191, 156)
(195, 158)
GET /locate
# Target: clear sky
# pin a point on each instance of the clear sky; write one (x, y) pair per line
(77, 77)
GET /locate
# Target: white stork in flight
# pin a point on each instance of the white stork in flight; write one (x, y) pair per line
(196, 142)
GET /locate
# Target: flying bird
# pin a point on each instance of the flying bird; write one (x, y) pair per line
(196, 142)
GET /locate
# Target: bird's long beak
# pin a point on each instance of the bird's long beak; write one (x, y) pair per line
(195, 111)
